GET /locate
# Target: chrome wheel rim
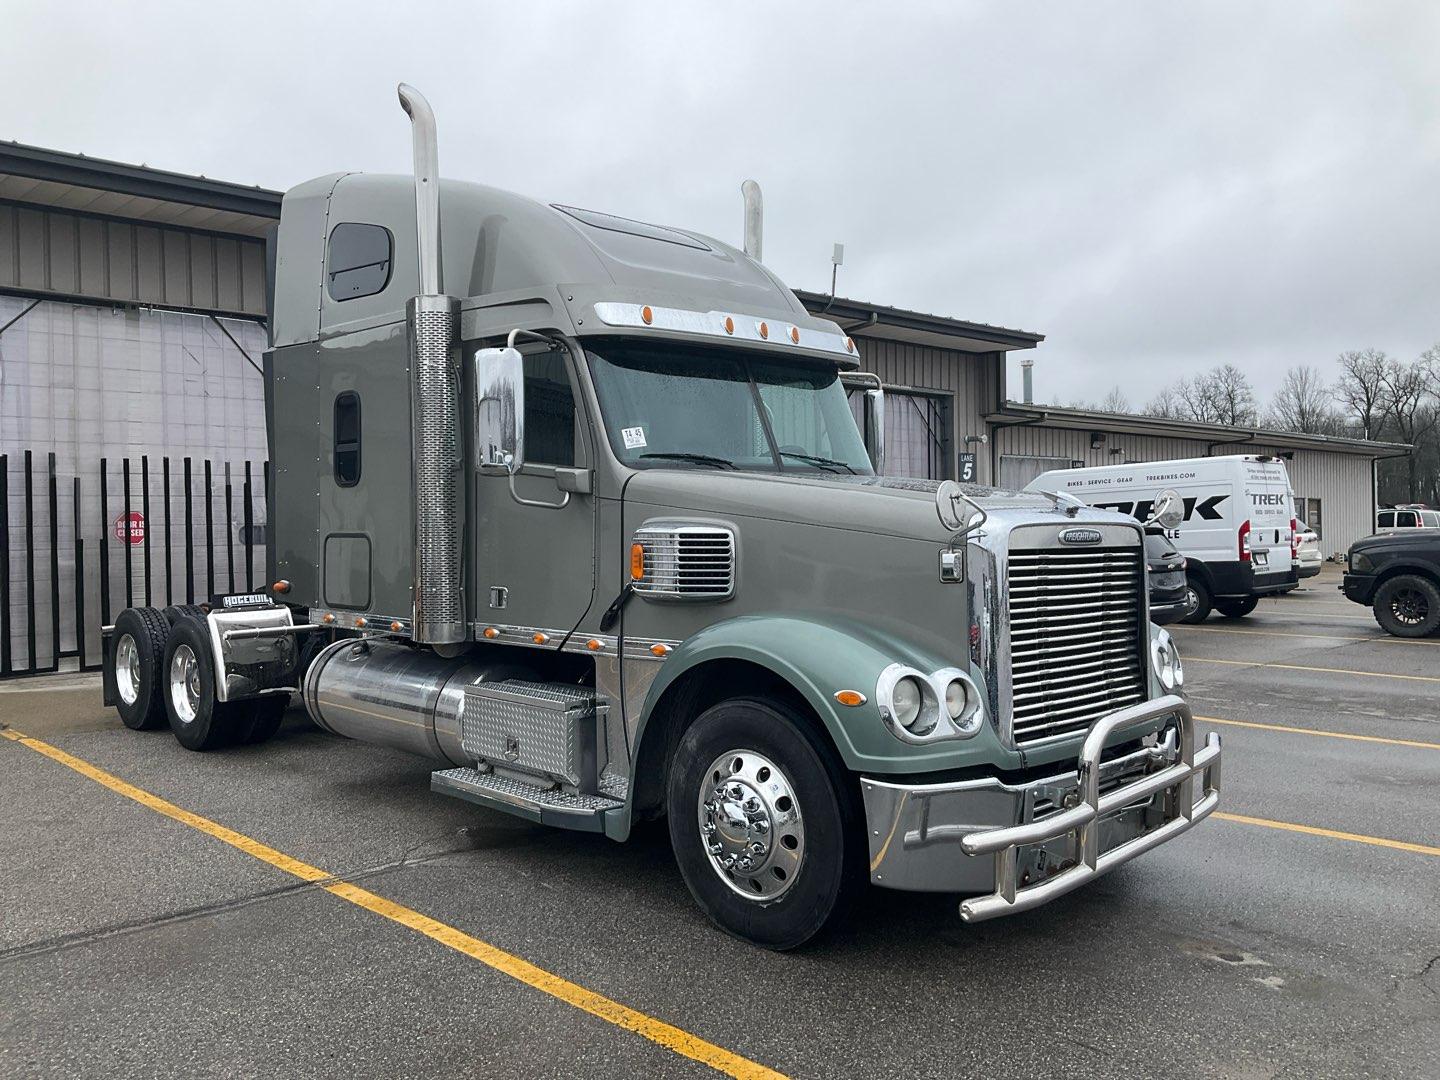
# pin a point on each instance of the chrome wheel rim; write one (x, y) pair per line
(1410, 607)
(184, 684)
(750, 825)
(127, 670)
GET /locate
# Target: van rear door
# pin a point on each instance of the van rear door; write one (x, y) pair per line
(1271, 508)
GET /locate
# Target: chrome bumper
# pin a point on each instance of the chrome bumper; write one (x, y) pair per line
(912, 827)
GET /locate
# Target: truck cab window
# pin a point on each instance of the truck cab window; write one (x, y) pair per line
(549, 410)
(358, 261)
(347, 439)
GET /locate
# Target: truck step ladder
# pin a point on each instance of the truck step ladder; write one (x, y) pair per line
(585, 813)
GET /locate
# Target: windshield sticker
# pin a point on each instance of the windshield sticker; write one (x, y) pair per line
(634, 437)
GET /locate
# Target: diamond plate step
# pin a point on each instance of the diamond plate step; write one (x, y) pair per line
(583, 812)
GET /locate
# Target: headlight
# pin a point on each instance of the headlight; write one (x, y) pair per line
(1168, 668)
(905, 701)
(1360, 562)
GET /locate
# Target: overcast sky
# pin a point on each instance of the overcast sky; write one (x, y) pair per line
(1157, 187)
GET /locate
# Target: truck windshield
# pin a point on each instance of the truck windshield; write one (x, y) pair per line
(677, 406)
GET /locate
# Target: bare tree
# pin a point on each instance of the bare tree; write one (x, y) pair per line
(1231, 395)
(1412, 406)
(1165, 404)
(1303, 403)
(1115, 401)
(1360, 390)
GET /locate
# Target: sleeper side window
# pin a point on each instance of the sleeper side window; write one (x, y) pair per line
(359, 260)
(549, 410)
(347, 439)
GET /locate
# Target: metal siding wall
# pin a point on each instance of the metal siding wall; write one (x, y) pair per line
(1342, 482)
(970, 379)
(82, 256)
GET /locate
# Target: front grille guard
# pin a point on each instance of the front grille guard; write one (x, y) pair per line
(1082, 821)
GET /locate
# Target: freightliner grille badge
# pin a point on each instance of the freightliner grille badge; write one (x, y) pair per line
(1080, 536)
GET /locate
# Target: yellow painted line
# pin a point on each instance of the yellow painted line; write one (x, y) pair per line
(1319, 732)
(1332, 834)
(1301, 667)
(622, 1016)
(1380, 637)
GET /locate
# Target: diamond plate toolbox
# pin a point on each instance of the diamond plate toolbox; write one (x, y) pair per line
(545, 728)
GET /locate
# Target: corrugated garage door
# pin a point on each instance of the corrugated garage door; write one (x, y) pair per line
(1017, 470)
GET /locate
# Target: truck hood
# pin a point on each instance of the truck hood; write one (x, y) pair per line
(1403, 539)
(885, 505)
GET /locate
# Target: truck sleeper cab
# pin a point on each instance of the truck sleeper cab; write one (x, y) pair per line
(576, 507)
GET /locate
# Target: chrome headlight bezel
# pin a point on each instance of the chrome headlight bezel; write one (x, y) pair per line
(934, 722)
(1166, 663)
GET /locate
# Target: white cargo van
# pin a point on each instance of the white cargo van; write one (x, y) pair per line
(1238, 536)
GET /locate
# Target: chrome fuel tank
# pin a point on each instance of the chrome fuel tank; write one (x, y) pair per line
(393, 695)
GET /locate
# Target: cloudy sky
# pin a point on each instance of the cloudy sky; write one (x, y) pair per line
(1157, 187)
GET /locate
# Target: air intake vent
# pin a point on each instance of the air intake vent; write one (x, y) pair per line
(686, 562)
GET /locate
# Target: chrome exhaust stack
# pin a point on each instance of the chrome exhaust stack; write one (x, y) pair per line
(754, 219)
(433, 330)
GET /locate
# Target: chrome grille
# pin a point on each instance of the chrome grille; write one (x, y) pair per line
(1075, 643)
(687, 562)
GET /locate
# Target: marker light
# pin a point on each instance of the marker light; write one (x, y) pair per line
(729, 325)
(795, 334)
(647, 314)
(637, 561)
(281, 586)
(539, 638)
(850, 697)
(764, 331)
(396, 626)
(491, 633)
(359, 622)
(327, 618)
(594, 644)
(849, 344)
(659, 649)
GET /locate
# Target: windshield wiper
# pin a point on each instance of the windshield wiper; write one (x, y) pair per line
(822, 462)
(698, 459)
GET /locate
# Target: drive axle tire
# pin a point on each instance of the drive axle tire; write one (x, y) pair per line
(199, 721)
(260, 718)
(765, 823)
(1237, 608)
(1408, 606)
(1201, 595)
(138, 660)
(175, 612)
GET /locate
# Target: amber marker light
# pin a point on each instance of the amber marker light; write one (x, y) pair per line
(594, 644)
(491, 633)
(359, 622)
(280, 587)
(659, 649)
(637, 561)
(729, 325)
(765, 331)
(849, 344)
(396, 626)
(795, 334)
(850, 697)
(327, 618)
(647, 316)
(539, 638)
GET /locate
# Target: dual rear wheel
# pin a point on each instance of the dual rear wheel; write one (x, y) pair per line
(165, 673)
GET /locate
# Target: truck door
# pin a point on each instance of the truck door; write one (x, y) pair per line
(535, 564)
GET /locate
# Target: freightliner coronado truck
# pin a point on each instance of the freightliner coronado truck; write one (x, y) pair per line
(577, 508)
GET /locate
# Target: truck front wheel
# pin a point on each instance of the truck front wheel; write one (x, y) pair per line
(1408, 606)
(764, 823)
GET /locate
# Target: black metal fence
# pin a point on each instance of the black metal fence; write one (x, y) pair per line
(77, 550)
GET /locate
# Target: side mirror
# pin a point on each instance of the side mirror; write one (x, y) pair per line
(1168, 510)
(500, 409)
(875, 428)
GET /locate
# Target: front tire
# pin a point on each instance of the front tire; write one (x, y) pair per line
(765, 823)
(1237, 608)
(198, 719)
(1408, 606)
(1200, 594)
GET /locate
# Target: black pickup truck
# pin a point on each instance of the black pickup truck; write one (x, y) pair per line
(1398, 576)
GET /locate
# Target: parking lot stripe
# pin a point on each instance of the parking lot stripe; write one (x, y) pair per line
(1318, 731)
(1332, 834)
(1301, 667)
(1381, 637)
(622, 1016)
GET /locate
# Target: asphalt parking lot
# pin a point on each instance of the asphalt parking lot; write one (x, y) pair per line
(322, 913)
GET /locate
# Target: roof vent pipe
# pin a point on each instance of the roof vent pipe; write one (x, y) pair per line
(1027, 368)
(427, 186)
(754, 218)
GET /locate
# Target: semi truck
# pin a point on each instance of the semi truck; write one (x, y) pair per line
(577, 507)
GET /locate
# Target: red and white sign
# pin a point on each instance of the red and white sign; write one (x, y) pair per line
(130, 528)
